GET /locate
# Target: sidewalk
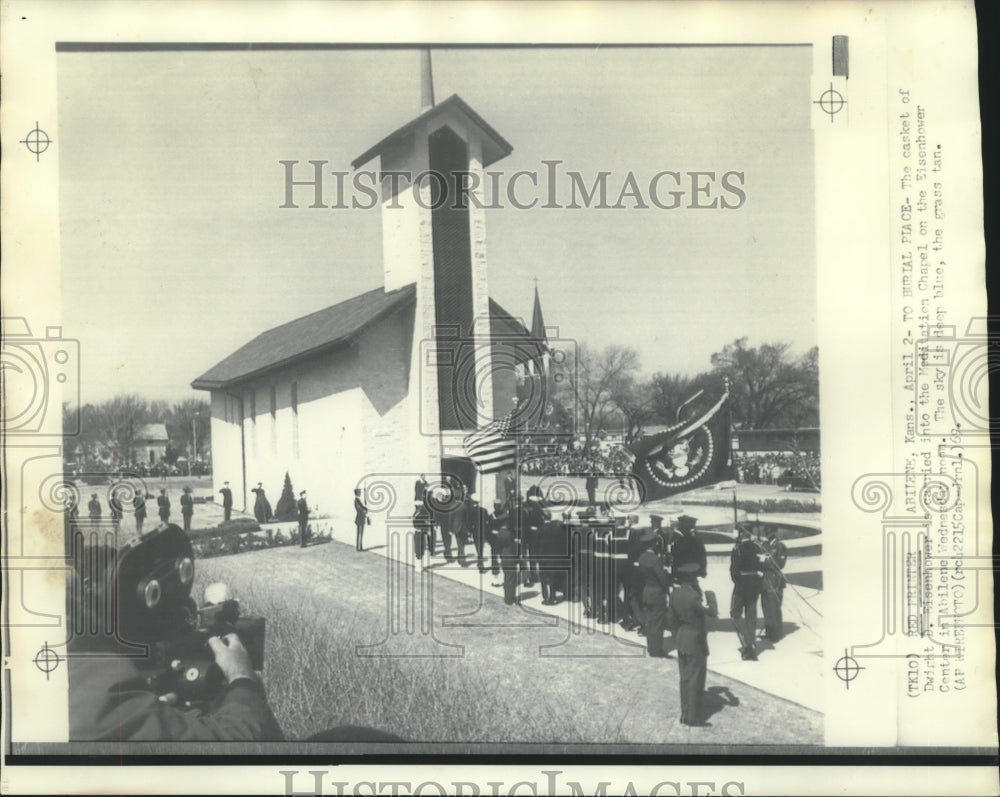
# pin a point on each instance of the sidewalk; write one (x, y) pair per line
(792, 669)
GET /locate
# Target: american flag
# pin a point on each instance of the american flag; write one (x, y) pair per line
(493, 448)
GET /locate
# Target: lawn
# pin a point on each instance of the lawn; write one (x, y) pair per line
(322, 602)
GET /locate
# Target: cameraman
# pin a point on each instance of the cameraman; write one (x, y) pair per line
(110, 697)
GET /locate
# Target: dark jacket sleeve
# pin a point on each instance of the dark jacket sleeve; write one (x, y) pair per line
(108, 702)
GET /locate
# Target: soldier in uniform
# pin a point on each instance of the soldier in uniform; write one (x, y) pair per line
(303, 510)
(687, 548)
(498, 520)
(115, 505)
(187, 508)
(532, 519)
(653, 586)
(687, 618)
(139, 510)
(773, 586)
(553, 555)
(163, 504)
(227, 501)
(509, 556)
(605, 583)
(591, 486)
(477, 521)
(94, 509)
(744, 569)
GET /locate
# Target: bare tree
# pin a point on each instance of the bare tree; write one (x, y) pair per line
(770, 389)
(596, 377)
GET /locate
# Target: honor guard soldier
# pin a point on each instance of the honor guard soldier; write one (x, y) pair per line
(773, 586)
(508, 546)
(605, 584)
(227, 501)
(585, 543)
(478, 523)
(532, 520)
(653, 584)
(303, 511)
(554, 550)
(687, 618)
(163, 503)
(744, 569)
(94, 509)
(187, 508)
(115, 505)
(622, 597)
(687, 549)
(498, 520)
(139, 510)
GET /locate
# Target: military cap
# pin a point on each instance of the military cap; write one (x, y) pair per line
(689, 568)
(686, 522)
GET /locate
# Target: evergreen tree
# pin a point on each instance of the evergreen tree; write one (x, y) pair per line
(286, 509)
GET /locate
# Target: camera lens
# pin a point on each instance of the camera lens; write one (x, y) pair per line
(185, 570)
(151, 593)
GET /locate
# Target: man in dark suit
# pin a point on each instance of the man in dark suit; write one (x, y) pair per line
(227, 501)
(360, 520)
(187, 508)
(687, 548)
(686, 616)
(591, 487)
(303, 509)
(420, 488)
(163, 502)
(654, 585)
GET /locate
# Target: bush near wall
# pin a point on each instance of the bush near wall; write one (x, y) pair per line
(245, 534)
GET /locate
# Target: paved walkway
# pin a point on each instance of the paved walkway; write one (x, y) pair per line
(791, 669)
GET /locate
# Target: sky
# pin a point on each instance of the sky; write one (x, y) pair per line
(175, 250)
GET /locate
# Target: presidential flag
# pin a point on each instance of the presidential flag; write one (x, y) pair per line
(494, 447)
(691, 453)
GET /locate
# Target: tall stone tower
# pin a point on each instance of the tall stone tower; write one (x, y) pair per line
(434, 235)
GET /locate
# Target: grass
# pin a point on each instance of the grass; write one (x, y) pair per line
(322, 602)
(316, 681)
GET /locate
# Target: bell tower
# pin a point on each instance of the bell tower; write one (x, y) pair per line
(434, 236)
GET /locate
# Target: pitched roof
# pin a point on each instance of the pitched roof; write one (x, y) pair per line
(152, 432)
(495, 146)
(320, 331)
(324, 331)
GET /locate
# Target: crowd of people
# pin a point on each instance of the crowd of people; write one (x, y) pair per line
(643, 578)
(563, 458)
(782, 469)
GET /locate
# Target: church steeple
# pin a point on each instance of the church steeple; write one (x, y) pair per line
(434, 235)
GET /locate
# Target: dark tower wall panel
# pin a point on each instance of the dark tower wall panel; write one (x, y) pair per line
(450, 231)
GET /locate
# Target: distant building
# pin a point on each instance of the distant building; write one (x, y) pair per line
(804, 440)
(150, 443)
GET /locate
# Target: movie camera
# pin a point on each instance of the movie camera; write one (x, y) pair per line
(151, 582)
